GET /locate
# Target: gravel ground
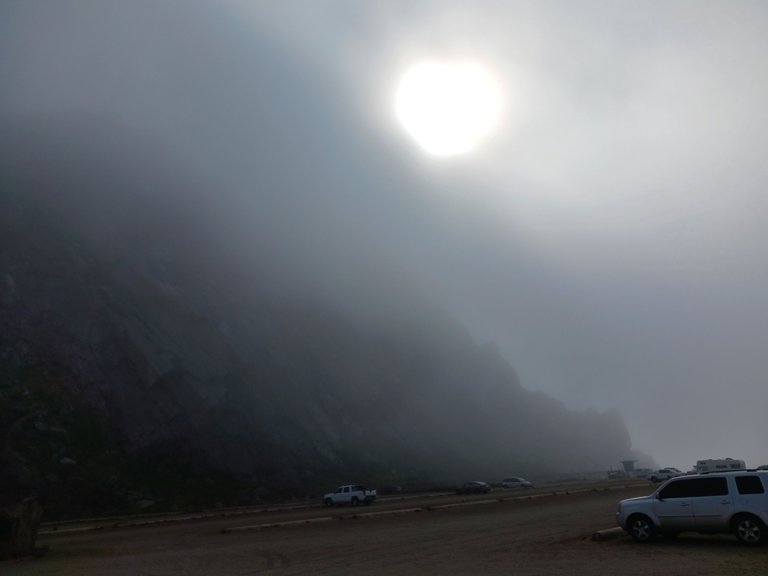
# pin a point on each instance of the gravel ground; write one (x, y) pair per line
(545, 535)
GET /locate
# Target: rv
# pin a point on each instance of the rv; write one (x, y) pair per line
(726, 465)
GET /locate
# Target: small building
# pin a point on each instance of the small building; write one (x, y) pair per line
(629, 466)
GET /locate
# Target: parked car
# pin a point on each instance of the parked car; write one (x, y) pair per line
(474, 487)
(515, 482)
(643, 472)
(734, 502)
(664, 474)
(352, 494)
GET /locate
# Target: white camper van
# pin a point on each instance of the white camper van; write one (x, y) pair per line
(725, 465)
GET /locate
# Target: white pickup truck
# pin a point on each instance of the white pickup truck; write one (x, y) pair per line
(664, 474)
(353, 494)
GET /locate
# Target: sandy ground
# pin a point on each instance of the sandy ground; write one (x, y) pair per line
(546, 535)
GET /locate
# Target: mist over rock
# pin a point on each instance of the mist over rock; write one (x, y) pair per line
(161, 342)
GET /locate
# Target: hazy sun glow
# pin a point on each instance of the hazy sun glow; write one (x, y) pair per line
(448, 107)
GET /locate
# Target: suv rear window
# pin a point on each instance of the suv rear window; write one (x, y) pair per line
(695, 488)
(749, 485)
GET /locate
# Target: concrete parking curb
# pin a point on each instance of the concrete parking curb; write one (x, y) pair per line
(276, 524)
(322, 519)
(607, 534)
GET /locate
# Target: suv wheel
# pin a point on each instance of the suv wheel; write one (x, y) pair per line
(641, 528)
(749, 530)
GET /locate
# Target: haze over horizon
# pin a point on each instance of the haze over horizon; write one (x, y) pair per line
(608, 237)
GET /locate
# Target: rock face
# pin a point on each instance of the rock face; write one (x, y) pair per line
(18, 528)
(146, 357)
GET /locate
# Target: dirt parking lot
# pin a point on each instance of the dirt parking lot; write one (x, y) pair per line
(543, 535)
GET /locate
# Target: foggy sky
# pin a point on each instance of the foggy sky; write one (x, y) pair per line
(609, 237)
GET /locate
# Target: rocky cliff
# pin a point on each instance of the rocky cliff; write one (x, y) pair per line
(151, 357)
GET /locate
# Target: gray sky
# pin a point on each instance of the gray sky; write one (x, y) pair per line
(609, 236)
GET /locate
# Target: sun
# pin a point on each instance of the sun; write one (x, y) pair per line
(448, 107)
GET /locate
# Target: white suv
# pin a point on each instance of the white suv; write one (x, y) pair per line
(734, 502)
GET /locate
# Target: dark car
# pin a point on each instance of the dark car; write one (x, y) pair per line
(474, 487)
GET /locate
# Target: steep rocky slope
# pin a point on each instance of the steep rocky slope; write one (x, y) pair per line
(148, 356)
